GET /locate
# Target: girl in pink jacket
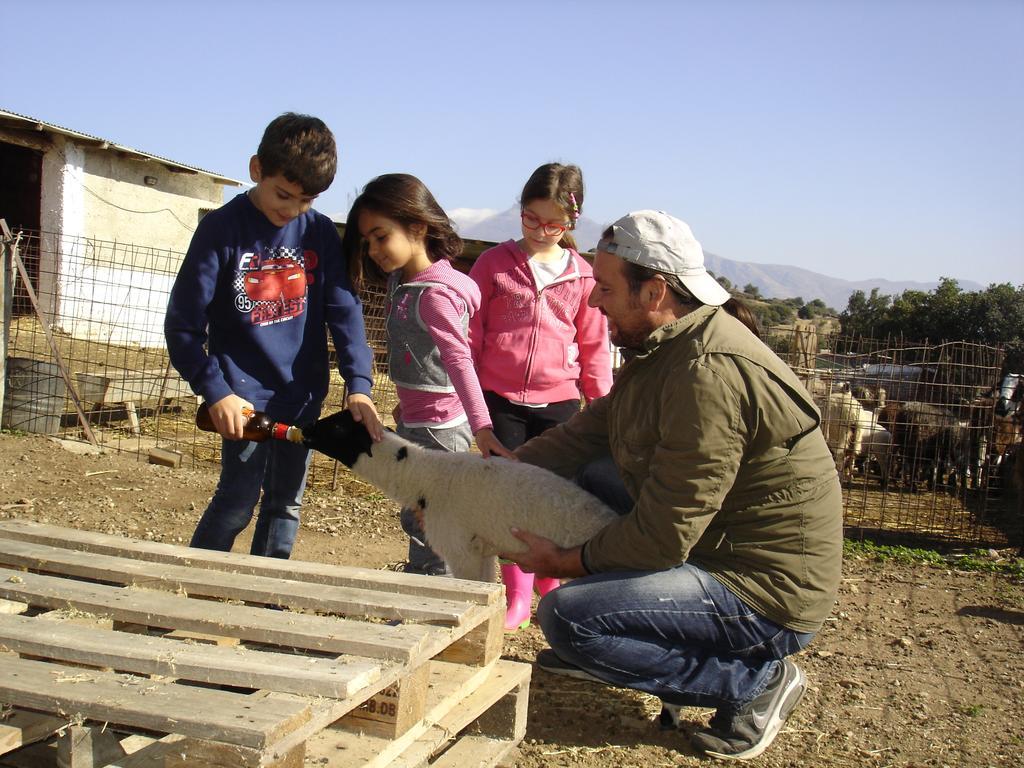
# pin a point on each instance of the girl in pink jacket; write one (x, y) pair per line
(536, 344)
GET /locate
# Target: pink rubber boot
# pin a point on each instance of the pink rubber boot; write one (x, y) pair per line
(545, 585)
(518, 596)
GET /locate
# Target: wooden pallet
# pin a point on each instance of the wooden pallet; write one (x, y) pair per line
(235, 661)
(130, 390)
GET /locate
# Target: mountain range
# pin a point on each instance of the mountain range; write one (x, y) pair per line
(774, 281)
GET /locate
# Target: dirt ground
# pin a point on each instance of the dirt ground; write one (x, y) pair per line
(917, 666)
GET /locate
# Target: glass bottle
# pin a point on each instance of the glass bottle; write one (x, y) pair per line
(258, 428)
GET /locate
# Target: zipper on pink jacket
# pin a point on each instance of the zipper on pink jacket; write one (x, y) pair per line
(576, 275)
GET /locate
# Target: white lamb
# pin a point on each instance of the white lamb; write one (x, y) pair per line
(468, 502)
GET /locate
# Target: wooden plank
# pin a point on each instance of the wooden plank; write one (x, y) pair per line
(22, 727)
(481, 646)
(83, 746)
(472, 751)
(229, 586)
(165, 457)
(133, 417)
(506, 718)
(157, 609)
(146, 387)
(192, 753)
(142, 703)
(501, 700)
(9, 607)
(296, 570)
(464, 691)
(142, 654)
(201, 637)
(396, 708)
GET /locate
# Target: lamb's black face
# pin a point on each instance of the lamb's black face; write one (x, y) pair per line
(340, 437)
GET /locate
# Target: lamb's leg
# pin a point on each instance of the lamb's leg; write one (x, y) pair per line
(457, 546)
(488, 569)
(472, 565)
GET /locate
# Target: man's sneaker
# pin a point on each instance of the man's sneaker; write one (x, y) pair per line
(549, 661)
(751, 729)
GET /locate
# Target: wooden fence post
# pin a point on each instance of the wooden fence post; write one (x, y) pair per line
(7, 245)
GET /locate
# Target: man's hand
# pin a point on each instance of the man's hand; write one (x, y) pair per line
(490, 445)
(545, 558)
(365, 412)
(228, 416)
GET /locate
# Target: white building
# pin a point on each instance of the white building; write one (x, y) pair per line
(113, 223)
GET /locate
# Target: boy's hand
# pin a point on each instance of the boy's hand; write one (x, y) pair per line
(228, 417)
(490, 445)
(365, 412)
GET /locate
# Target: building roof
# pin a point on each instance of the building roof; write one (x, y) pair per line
(12, 120)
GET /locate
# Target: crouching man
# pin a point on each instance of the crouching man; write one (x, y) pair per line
(726, 558)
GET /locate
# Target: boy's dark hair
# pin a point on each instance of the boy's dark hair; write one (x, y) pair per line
(406, 200)
(555, 182)
(301, 148)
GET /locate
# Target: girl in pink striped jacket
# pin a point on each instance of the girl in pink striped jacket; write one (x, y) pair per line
(397, 230)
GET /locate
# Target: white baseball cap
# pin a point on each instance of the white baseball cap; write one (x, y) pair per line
(661, 242)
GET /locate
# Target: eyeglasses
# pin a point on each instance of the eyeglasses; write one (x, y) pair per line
(550, 228)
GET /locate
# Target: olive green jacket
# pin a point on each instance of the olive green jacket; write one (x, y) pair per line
(718, 444)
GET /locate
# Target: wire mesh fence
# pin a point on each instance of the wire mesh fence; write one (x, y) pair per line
(103, 304)
(917, 432)
(915, 429)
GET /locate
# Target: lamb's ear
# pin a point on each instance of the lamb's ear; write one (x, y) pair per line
(403, 454)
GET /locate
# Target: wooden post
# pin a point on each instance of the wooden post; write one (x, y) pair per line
(396, 709)
(87, 747)
(7, 245)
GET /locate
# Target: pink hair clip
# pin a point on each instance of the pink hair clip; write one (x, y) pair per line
(575, 208)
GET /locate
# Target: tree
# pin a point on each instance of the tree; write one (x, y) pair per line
(947, 313)
(864, 315)
(814, 308)
(752, 290)
(771, 313)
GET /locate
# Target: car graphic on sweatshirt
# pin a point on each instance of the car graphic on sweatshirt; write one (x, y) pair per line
(275, 280)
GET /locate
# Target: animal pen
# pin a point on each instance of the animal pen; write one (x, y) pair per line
(86, 361)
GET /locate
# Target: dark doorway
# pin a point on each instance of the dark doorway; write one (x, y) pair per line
(21, 170)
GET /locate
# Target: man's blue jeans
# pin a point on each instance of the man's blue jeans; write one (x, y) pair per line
(275, 467)
(677, 634)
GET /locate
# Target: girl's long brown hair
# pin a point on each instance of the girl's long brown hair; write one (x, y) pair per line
(405, 199)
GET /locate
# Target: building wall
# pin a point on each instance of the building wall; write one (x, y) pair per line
(119, 205)
(117, 241)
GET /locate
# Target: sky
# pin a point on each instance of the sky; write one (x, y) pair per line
(858, 138)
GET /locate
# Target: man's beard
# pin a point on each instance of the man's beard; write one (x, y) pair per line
(634, 335)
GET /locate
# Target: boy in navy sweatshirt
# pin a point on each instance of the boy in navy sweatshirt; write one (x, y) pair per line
(246, 326)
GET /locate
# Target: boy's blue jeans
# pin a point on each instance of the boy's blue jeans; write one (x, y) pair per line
(677, 634)
(275, 467)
